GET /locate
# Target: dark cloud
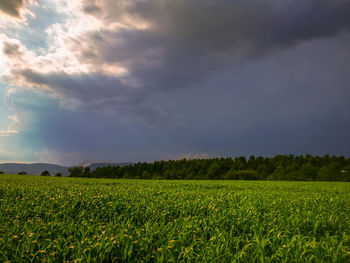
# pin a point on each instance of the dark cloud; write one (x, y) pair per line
(223, 77)
(229, 24)
(12, 50)
(187, 40)
(183, 43)
(12, 7)
(87, 88)
(293, 102)
(98, 8)
(92, 9)
(97, 92)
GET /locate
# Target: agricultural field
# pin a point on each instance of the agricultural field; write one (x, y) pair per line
(88, 220)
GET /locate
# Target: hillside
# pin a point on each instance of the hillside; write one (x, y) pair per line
(38, 168)
(33, 168)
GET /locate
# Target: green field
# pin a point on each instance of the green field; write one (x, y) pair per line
(89, 220)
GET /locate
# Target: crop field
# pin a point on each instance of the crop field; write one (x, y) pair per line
(89, 220)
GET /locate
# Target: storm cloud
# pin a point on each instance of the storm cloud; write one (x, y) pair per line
(210, 26)
(209, 77)
(174, 44)
(177, 44)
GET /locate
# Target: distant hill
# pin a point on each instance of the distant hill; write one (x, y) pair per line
(33, 168)
(38, 168)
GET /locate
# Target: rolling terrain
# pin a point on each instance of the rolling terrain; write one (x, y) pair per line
(38, 168)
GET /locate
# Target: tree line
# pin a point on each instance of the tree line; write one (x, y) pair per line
(279, 167)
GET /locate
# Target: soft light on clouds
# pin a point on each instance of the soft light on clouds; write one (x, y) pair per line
(143, 80)
(13, 128)
(8, 132)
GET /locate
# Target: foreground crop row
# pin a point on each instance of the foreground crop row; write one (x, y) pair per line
(74, 219)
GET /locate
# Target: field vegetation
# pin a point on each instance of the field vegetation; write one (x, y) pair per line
(52, 219)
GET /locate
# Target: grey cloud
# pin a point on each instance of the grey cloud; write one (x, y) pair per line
(292, 102)
(98, 92)
(12, 49)
(98, 8)
(92, 9)
(188, 40)
(226, 24)
(12, 7)
(87, 88)
(224, 77)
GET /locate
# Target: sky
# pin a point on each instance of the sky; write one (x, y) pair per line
(145, 80)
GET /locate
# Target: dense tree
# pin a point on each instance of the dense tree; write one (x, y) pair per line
(214, 170)
(330, 172)
(45, 173)
(247, 175)
(86, 171)
(76, 171)
(279, 167)
(307, 172)
(146, 175)
(278, 173)
(231, 175)
(345, 173)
